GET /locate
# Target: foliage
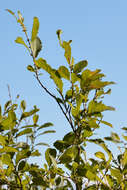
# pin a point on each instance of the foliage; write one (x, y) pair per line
(67, 165)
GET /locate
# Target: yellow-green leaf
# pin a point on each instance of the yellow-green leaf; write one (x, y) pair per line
(67, 54)
(35, 28)
(107, 123)
(19, 40)
(41, 63)
(7, 149)
(80, 66)
(63, 71)
(100, 155)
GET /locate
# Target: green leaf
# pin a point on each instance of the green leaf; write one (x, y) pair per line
(35, 119)
(2, 140)
(63, 71)
(80, 66)
(30, 68)
(19, 40)
(115, 137)
(8, 149)
(35, 28)
(25, 153)
(67, 54)
(116, 173)
(68, 94)
(24, 132)
(35, 153)
(61, 145)
(41, 63)
(87, 132)
(23, 105)
(46, 132)
(74, 78)
(99, 84)
(7, 104)
(28, 114)
(69, 138)
(21, 165)
(58, 180)
(36, 46)
(69, 154)
(100, 155)
(41, 144)
(45, 125)
(90, 175)
(95, 107)
(57, 81)
(6, 159)
(52, 152)
(53, 161)
(39, 181)
(107, 123)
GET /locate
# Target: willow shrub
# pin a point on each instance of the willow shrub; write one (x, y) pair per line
(81, 103)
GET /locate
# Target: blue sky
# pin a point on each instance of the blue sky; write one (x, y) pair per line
(98, 30)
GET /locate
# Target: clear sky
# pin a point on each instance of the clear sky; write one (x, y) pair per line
(98, 30)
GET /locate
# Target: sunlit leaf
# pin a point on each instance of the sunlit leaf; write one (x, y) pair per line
(106, 123)
(27, 114)
(95, 107)
(19, 40)
(67, 54)
(35, 28)
(8, 149)
(35, 118)
(100, 155)
(36, 46)
(6, 159)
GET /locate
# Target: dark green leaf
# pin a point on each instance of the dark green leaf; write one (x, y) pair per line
(23, 105)
(61, 145)
(30, 68)
(49, 152)
(80, 66)
(63, 71)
